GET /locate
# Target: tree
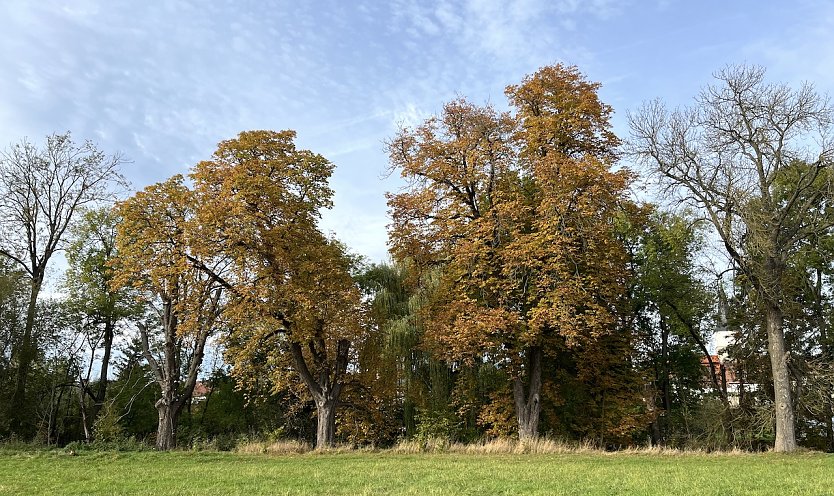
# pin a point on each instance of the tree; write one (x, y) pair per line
(295, 310)
(725, 155)
(98, 308)
(14, 293)
(157, 256)
(815, 261)
(423, 382)
(672, 312)
(41, 191)
(518, 210)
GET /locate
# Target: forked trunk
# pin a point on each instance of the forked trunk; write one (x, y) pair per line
(327, 389)
(527, 396)
(785, 437)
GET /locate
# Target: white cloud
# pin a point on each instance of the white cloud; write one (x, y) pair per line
(163, 82)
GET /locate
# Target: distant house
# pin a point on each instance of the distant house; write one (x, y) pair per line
(201, 392)
(728, 379)
(731, 383)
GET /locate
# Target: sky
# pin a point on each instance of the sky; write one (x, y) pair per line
(162, 82)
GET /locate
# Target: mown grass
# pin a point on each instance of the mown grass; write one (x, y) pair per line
(90, 472)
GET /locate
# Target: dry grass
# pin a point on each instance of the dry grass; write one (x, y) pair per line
(282, 447)
(293, 447)
(499, 446)
(539, 446)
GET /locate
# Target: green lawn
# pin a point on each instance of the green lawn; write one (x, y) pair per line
(388, 473)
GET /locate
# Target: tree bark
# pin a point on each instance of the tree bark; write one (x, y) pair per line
(166, 432)
(27, 352)
(665, 382)
(82, 406)
(101, 393)
(785, 436)
(326, 423)
(527, 397)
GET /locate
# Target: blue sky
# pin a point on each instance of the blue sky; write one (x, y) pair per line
(164, 81)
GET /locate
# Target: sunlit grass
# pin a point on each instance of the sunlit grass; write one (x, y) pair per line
(388, 472)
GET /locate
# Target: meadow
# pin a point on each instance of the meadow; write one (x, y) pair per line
(61, 472)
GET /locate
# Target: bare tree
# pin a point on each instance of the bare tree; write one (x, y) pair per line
(756, 159)
(41, 190)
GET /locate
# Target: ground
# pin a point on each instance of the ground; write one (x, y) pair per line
(88, 472)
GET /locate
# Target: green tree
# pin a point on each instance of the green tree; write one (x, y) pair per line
(401, 297)
(41, 192)
(673, 312)
(14, 292)
(99, 309)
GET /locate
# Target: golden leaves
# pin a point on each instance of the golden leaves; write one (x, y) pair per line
(248, 226)
(519, 209)
(559, 112)
(259, 204)
(155, 242)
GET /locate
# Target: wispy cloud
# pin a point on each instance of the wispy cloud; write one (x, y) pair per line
(164, 81)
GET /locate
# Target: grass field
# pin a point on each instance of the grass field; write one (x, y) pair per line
(390, 473)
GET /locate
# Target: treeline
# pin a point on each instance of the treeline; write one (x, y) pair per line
(529, 293)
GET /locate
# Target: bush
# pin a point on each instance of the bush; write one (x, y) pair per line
(107, 427)
(436, 426)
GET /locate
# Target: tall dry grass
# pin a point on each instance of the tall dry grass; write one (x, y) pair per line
(500, 446)
(539, 446)
(281, 447)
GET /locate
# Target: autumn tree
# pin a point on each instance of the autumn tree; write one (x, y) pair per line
(295, 310)
(41, 193)
(158, 250)
(518, 209)
(724, 155)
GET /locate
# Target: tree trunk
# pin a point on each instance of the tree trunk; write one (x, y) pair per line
(829, 427)
(527, 403)
(101, 393)
(655, 433)
(26, 354)
(666, 400)
(785, 437)
(82, 406)
(327, 388)
(166, 432)
(326, 423)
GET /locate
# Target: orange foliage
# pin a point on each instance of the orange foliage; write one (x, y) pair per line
(519, 210)
(296, 310)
